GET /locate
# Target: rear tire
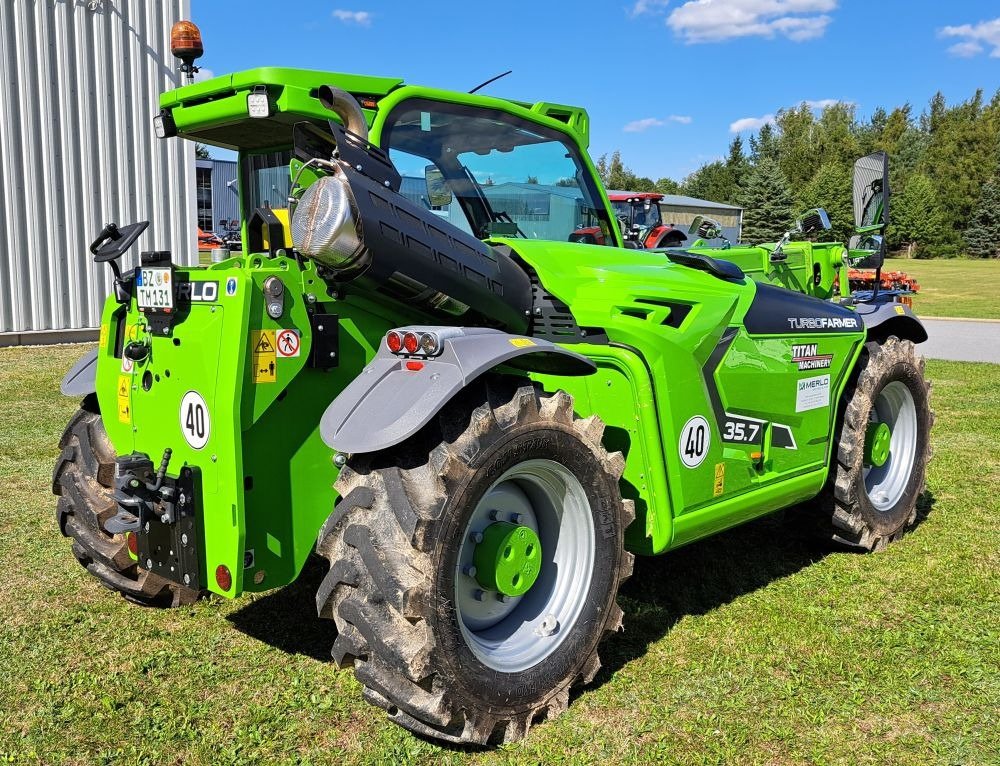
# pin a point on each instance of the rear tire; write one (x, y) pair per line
(865, 505)
(83, 480)
(399, 591)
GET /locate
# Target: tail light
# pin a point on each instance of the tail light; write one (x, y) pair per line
(420, 342)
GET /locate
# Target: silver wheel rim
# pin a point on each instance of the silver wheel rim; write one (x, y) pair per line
(886, 484)
(517, 633)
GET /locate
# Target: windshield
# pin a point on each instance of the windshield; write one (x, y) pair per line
(637, 214)
(490, 173)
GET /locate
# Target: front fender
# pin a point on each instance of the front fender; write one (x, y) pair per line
(82, 376)
(884, 319)
(395, 396)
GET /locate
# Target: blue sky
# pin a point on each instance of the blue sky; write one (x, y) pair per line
(667, 83)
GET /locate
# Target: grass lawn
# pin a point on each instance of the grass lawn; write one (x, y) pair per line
(953, 287)
(751, 647)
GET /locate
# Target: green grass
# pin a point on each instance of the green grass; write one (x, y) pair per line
(953, 287)
(751, 647)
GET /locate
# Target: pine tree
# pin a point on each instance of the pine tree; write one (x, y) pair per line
(982, 237)
(916, 218)
(830, 189)
(764, 145)
(737, 166)
(767, 205)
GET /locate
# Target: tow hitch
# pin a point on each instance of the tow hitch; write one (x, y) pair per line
(161, 512)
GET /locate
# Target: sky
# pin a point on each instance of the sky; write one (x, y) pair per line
(666, 82)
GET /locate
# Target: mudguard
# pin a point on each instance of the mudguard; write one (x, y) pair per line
(395, 396)
(891, 319)
(82, 376)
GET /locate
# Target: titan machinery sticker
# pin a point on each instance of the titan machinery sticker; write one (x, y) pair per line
(807, 357)
(695, 440)
(812, 393)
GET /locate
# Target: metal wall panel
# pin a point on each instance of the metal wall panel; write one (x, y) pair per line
(77, 149)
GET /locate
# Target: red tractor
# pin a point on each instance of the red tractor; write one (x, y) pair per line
(638, 214)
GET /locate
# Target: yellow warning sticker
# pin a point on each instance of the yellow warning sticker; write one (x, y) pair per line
(264, 354)
(522, 342)
(900, 310)
(132, 332)
(102, 341)
(720, 479)
(124, 398)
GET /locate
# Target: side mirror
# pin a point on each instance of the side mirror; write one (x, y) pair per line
(813, 221)
(438, 192)
(871, 192)
(867, 251)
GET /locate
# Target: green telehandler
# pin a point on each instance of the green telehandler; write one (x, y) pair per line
(411, 373)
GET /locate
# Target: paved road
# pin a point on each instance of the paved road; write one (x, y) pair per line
(961, 341)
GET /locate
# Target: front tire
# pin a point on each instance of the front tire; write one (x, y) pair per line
(83, 480)
(445, 655)
(882, 450)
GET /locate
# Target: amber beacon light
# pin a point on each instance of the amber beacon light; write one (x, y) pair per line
(186, 45)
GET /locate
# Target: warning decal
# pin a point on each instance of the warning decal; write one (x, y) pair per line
(720, 479)
(263, 356)
(124, 398)
(288, 343)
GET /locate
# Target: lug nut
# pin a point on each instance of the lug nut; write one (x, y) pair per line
(184, 539)
(494, 515)
(476, 537)
(469, 570)
(187, 579)
(516, 517)
(503, 598)
(149, 563)
(478, 594)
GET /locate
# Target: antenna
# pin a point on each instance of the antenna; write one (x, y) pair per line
(492, 79)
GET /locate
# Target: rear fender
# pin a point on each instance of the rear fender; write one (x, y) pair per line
(884, 319)
(395, 396)
(82, 376)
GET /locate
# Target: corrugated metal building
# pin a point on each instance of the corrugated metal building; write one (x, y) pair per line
(680, 211)
(217, 193)
(77, 149)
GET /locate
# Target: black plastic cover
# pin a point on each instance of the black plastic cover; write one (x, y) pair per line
(778, 311)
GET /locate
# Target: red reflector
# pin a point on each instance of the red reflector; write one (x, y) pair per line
(132, 542)
(414, 366)
(394, 341)
(223, 578)
(411, 342)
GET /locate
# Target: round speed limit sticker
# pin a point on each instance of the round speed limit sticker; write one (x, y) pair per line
(695, 440)
(195, 422)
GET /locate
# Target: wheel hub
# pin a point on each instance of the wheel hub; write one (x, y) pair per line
(508, 559)
(878, 436)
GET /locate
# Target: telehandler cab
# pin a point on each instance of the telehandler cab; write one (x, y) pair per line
(411, 373)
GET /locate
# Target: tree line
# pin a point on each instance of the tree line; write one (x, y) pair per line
(944, 172)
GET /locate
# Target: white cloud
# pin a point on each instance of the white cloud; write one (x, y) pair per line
(648, 6)
(362, 18)
(707, 21)
(203, 74)
(751, 123)
(822, 103)
(974, 38)
(638, 126)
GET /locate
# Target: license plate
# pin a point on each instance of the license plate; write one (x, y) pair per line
(154, 288)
